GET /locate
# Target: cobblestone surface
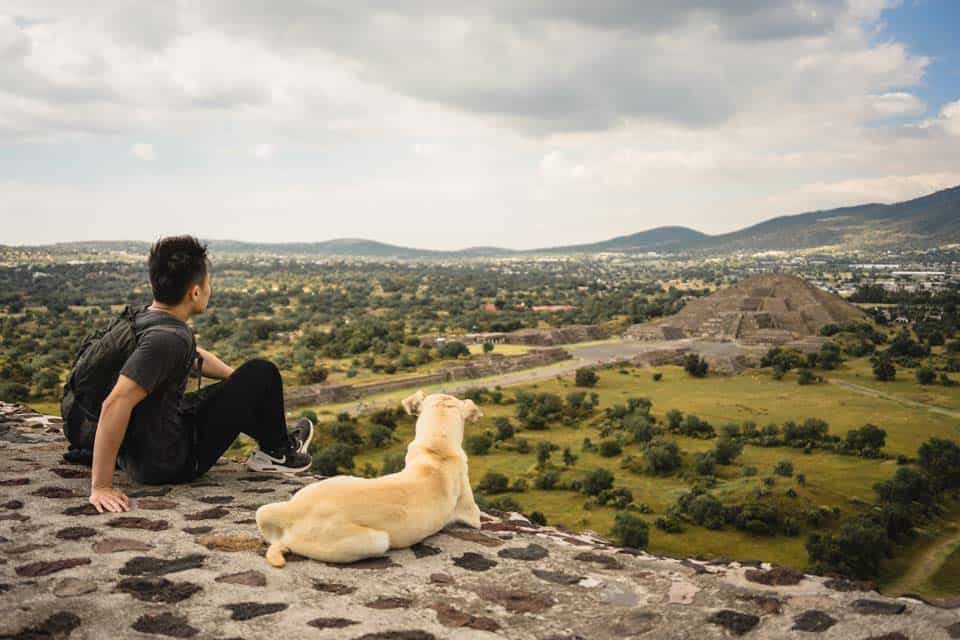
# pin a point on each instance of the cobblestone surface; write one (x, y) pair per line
(68, 573)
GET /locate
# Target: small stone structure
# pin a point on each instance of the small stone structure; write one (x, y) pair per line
(568, 334)
(186, 562)
(477, 367)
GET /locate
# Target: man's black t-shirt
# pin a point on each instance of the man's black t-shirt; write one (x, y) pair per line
(157, 445)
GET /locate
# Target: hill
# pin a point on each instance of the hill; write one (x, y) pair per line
(764, 309)
(929, 221)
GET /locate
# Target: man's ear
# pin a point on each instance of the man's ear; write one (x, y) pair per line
(470, 411)
(411, 404)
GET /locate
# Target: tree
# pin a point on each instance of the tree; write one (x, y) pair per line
(883, 369)
(866, 441)
(695, 365)
(940, 460)
(806, 376)
(926, 375)
(630, 530)
(586, 377)
(453, 349)
(344, 432)
(596, 481)
(487, 347)
(856, 550)
(569, 459)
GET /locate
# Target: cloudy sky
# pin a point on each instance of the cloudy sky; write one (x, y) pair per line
(439, 124)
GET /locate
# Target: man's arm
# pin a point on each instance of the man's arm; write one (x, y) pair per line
(114, 419)
(213, 367)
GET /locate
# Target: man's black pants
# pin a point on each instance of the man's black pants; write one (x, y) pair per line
(250, 401)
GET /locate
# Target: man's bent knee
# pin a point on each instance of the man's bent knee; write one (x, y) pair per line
(261, 365)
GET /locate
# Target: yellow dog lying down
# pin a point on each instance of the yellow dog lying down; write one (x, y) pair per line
(345, 518)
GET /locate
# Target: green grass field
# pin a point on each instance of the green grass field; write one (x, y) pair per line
(905, 385)
(832, 480)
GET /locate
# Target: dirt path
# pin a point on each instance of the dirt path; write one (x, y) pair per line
(924, 566)
(867, 391)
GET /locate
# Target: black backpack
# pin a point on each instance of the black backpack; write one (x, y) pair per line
(93, 374)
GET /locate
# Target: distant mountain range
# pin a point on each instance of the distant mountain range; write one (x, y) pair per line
(929, 221)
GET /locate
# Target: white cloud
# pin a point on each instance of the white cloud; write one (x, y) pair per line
(951, 118)
(526, 115)
(263, 150)
(142, 150)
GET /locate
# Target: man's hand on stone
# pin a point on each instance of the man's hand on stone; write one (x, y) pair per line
(110, 499)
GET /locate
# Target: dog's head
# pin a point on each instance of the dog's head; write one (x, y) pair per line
(441, 411)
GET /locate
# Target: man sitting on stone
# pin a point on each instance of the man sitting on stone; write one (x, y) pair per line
(155, 431)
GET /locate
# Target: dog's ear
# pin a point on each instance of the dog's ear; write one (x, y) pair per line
(411, 404)
(471, 412)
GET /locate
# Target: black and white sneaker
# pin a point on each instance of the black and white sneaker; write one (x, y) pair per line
(293, 459)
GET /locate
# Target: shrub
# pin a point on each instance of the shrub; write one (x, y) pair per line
(504, 428)
(453, 349)
(586, 377)
(856, 550)
(392, 464)
(346, 433)
(538, 518)
(505, 503)
(705, 463)
(749, 471)
(597, 481)
(727, 450)
(657, 376)
(330, 460)
(939, 459)
(784, 468)
(883, 369)
(310, 415)
(569, 459)
(493, 482)
(523, 445)
(926, 375)
(695, 365)
(617, 498)
(547, 480)
(478, 444)
(610, 448)
(806, 376)
(519, 485)
(544, 449)
(661, 457)
(674, 419)
(707, 511)
(866, 440)
(379, 435)
(670, 524)
(630, 530)
(801, 479)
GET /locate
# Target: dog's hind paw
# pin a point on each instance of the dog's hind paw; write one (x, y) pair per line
(275, 555)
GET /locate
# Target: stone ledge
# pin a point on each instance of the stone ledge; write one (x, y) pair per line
(187, 562)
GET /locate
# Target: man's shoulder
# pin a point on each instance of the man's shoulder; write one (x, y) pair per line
(168, 333)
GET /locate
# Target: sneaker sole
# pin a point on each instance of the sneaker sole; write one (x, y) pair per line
(276, 468)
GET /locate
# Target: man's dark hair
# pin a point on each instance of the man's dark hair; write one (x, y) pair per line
(176, 264)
